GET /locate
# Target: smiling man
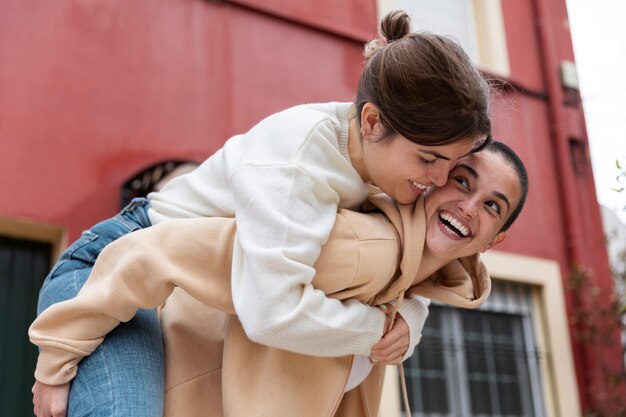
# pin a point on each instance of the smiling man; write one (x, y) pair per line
(471, 213)
(380, 257)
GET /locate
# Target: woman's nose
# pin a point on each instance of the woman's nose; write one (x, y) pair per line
(439, 176)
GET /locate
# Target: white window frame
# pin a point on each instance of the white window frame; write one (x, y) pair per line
(513, 300)
(560, 389)
(488, 48)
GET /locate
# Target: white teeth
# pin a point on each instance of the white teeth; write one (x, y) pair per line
(449, 230)
(420, 186)
(454, 222)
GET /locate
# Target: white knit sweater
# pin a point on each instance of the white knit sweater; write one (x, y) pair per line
(283, 181)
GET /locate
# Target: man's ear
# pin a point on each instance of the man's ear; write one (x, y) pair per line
(370, 121)
(499, 238)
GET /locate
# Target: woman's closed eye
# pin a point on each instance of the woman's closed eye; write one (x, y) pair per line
(427, 161)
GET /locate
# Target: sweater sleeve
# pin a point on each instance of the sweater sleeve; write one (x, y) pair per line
(139, 270)
(414, 311)
(279, 235)
(70, 330)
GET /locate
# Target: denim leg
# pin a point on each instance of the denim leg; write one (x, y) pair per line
(125, 375)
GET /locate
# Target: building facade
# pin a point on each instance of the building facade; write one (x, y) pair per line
(94, 92)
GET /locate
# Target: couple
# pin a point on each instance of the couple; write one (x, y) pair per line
(421, 107)
(375, 257)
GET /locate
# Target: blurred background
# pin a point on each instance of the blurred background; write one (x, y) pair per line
(599, 40)
(99, 100)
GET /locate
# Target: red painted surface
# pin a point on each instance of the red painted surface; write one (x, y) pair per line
(93, 91)
(523, 123)
(522, 43)
(573, 202)
(354, 19)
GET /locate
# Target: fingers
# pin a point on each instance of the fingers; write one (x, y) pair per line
(391, 358)
(35, 400)
(391, 355)
(50, 400)
(58, 410)
(398, 334)
(394, 344)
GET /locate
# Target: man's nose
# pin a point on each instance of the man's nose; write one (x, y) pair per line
(468, 207)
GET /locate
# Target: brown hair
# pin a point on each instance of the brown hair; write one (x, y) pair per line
(517, 164)
(425, 86)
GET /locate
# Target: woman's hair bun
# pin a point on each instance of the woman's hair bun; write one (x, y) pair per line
(395, 25)
(425, 86)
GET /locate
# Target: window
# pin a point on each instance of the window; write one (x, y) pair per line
(478, 363)
(524, 320)
(153, 178)
(478, 25)
(448, 17)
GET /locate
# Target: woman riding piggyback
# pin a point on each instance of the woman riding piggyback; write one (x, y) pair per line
(421, 105)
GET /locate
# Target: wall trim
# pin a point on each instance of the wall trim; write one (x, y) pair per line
(36, 231)
(560, 389)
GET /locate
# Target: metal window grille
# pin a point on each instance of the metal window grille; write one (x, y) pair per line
(478, 363)
(145, 181)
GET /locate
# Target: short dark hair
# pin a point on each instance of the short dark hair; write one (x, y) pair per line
(425, 86)
(515, 161)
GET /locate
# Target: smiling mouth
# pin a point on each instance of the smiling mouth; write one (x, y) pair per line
(420, 187)
(453, 226)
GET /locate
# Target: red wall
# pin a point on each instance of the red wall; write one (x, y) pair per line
(562, 220)
(93, 91)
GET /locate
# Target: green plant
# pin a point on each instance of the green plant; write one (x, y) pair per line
(620, 180)
(596, 316)
(618, 266)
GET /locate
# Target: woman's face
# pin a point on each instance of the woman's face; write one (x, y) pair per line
(404, 169)
(465, 215)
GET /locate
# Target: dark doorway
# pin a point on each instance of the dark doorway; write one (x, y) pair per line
(23, 267)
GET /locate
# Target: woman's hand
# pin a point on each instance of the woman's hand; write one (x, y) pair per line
(394, 344)
(50, 400)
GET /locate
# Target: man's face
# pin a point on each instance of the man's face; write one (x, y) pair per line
(465, 216)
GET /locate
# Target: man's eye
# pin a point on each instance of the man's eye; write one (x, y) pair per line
(427, 161)
(493, 206)
(462, 181)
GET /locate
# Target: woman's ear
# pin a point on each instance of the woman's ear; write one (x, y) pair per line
(370, 121)
(499, 238)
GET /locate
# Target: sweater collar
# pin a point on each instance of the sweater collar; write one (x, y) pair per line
(355, 147)
(343, 114)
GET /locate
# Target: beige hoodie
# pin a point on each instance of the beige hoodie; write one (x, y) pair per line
(369, 257)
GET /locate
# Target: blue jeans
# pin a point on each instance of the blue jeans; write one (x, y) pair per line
(125, 376)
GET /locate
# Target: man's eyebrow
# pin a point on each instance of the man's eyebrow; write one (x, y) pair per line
(503, 197)
(474, 174)
(470, 169)
(435, 154)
